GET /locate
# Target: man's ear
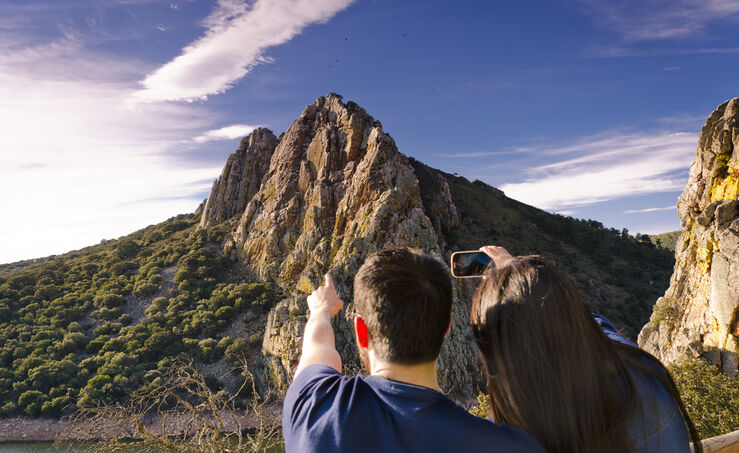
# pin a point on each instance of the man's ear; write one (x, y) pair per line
(360, 329)
(448, 327)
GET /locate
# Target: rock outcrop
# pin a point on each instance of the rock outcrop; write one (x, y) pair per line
(241, 177)
(699, 314)
(336, 190)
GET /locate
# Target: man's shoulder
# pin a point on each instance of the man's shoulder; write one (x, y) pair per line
(323, 405)
(314, 372)
(320, 376)
(484, 432)
(318, 386)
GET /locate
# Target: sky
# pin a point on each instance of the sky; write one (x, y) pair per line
(117, 114)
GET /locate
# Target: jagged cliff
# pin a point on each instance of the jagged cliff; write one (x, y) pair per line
(336, 190)
(699, 314)
(240, 179)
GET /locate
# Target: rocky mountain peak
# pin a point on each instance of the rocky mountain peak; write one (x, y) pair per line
(336, 189)
(241, 177)
(699, 314)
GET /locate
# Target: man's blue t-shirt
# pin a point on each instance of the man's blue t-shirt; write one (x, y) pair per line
(325, 411)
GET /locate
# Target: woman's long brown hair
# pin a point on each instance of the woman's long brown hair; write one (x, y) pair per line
(550, 368)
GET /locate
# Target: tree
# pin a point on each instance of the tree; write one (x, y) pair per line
(178, 395)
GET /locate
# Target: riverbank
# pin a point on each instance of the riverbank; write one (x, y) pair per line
(25, 429)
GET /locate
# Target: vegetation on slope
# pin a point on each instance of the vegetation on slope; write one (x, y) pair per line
(92, 326)
(666, 240)
(711, 398)
(619, 275)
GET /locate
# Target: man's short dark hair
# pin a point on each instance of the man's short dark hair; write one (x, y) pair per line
(405, 299)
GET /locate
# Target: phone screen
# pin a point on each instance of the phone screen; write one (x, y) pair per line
(469, 264)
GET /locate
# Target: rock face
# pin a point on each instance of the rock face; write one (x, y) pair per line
(336, 189)
(241, 177)
(699, 314)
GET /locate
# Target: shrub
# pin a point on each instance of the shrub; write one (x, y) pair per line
(48, 292)
(31, 401)
(51, 374)
(54, 407)
(482, 409)
(107, 314)
(123, 268)
(109, 300)
(208, 350)
(237, 351)
(109, 328)
(255, 339)
(225, 313)
(125, 319)
(9, 408)
(145, 289)
(97, 344)
(73, 342)
(711, 398)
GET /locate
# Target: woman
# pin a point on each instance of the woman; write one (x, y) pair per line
(553, 372)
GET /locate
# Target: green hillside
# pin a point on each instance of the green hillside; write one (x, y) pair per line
(91, 326)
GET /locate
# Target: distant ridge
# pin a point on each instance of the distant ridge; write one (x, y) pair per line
(666, 240)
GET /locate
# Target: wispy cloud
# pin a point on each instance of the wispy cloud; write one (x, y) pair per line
(639, 211)
(237, 35)
(77, 165)
(225, 133)
(565, 213)
(660, 19)
(477, 154)
(630, 52)
(607, 168)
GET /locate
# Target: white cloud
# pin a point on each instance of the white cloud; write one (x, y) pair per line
(639, 211)
(565, 213)
(225, 133)
(237, 34)
(660, 19)
(628, 52)
(77, 165)
(607, 168)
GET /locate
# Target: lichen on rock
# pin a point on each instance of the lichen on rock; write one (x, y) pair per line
(703, 298)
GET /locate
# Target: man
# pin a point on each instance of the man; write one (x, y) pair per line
(403, 303)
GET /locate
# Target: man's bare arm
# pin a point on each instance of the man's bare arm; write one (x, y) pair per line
(319, 346)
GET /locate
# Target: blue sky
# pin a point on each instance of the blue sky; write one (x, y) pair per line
(116, 114)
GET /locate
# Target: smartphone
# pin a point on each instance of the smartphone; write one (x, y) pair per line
(469, 264)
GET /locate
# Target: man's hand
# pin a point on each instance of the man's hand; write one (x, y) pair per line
(324, 299)
(319, 346)
(499, 255)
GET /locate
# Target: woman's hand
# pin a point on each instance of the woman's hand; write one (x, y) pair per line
(499, 255)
